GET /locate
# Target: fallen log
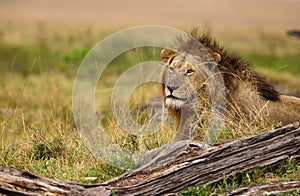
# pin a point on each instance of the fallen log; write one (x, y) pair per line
(269, 189)
(171, 168)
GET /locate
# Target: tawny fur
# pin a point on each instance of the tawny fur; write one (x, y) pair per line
(247, 94)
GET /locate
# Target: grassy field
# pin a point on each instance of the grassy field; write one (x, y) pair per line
(37, 130)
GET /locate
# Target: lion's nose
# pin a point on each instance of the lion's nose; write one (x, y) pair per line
(172, 88)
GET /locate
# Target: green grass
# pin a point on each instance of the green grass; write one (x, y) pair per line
(37, 129)
(279, 64)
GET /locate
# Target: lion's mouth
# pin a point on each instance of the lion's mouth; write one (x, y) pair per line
(176, 98)
(174, 102)
(172, 97)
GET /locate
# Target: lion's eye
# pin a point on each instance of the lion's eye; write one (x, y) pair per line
(171, 69)
(189, 72)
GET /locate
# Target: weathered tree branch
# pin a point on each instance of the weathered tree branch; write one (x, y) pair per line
(172, 168)
(270, 189)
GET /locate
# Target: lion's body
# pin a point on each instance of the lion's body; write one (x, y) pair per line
(186, 92)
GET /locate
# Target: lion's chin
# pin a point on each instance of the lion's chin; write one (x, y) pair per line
(174, 103)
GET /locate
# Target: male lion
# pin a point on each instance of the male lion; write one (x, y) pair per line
(187, 95)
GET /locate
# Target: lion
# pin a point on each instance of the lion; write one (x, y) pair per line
(186, 93)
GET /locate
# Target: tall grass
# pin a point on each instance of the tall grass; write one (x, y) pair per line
(37, 129)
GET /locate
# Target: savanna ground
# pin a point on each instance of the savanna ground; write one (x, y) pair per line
(38, 64)
(37, 126)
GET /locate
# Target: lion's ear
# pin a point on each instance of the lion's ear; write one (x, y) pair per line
(216, 56)
(166, 54)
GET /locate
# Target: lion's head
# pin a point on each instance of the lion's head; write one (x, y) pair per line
(185, 85)
(185, 75)
(188, 91)
(195, 62)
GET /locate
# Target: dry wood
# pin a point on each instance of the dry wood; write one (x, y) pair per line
(270, 189)
(172, 168)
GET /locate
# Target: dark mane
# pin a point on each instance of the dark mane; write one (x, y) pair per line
(230, 65)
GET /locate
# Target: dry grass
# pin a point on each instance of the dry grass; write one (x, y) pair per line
(37, 130)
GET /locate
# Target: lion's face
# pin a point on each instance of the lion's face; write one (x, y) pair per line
(179, 79)
(182, 81)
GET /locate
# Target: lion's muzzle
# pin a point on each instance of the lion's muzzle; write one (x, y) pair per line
(176, 92)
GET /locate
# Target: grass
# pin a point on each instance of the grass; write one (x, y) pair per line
(37, 129)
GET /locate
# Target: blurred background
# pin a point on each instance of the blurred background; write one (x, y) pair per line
(275, 15)
(240, 25)
(42, 43)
